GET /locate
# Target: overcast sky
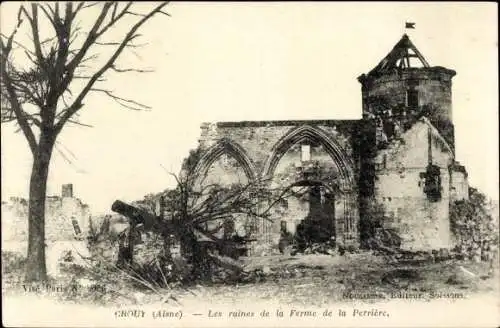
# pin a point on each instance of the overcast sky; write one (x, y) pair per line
(261, 61)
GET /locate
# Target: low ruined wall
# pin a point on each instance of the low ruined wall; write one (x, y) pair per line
(58, 219)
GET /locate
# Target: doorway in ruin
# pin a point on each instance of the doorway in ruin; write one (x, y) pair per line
(305, 216)
(312, 201)
(318, 170)
(318, 226)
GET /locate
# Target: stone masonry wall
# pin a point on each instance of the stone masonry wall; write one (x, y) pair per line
(58, 219)
(226, 171)
(459, 186)
(433, 86)
(399, 187)
(15, 219)
(258, 140)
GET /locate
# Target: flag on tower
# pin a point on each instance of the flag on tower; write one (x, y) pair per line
(410, 25)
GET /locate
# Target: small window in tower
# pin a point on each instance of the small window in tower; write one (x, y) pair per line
(412, 98)
(305, 153)
(76, 226)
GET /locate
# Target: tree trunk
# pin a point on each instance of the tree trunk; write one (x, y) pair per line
(36, 269)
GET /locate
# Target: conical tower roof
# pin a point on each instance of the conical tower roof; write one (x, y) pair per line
(403, 55)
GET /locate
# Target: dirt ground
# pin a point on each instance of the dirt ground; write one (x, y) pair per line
(317, 280)
(322, 279)
(302, 283)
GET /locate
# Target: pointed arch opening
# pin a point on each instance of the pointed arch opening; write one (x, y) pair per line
(315, 135)
(230, 148)
(331, 198)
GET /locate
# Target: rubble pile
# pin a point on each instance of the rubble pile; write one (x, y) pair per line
(279, 273)
(328, 248)
(476, 251)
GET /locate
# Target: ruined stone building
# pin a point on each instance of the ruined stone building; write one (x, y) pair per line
(395, 168)
(66, 218)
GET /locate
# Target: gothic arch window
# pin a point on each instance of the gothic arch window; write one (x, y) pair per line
(230, 149)
(306, 135)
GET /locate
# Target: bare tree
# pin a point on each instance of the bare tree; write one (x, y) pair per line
(47, 93)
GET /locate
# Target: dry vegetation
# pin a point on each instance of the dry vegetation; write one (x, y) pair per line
(304, 279)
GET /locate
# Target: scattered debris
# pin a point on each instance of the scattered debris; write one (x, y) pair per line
(327, 248)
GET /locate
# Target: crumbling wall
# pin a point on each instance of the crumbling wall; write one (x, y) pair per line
(15, 220)
(433, 85)
(263, 142)
(258, 138)
(422, 222)
(60, 212)
(225, 171)
(459, 183)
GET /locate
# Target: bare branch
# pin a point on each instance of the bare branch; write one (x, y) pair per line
(113, 14)
(86, 77)
(66, 149)
(35, 32)
(91, 38)
(107, 43)
(81, 124)
(63, 155)
(89, 58)
(29, 94)
(56, 11)
(134, 14)
(63, 98)
(10, 91)
(6, 48)
(114, 17)
(18, 44)
(122, 101)
(7, 115)
(77, 104)
(118, 43)
(80, 6)
(48, 40)
(49, 15)
(74, 35)
(125, 70)
(92, 4)
(136, 54)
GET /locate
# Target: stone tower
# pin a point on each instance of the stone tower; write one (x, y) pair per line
(404, 85)
(409, 176)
